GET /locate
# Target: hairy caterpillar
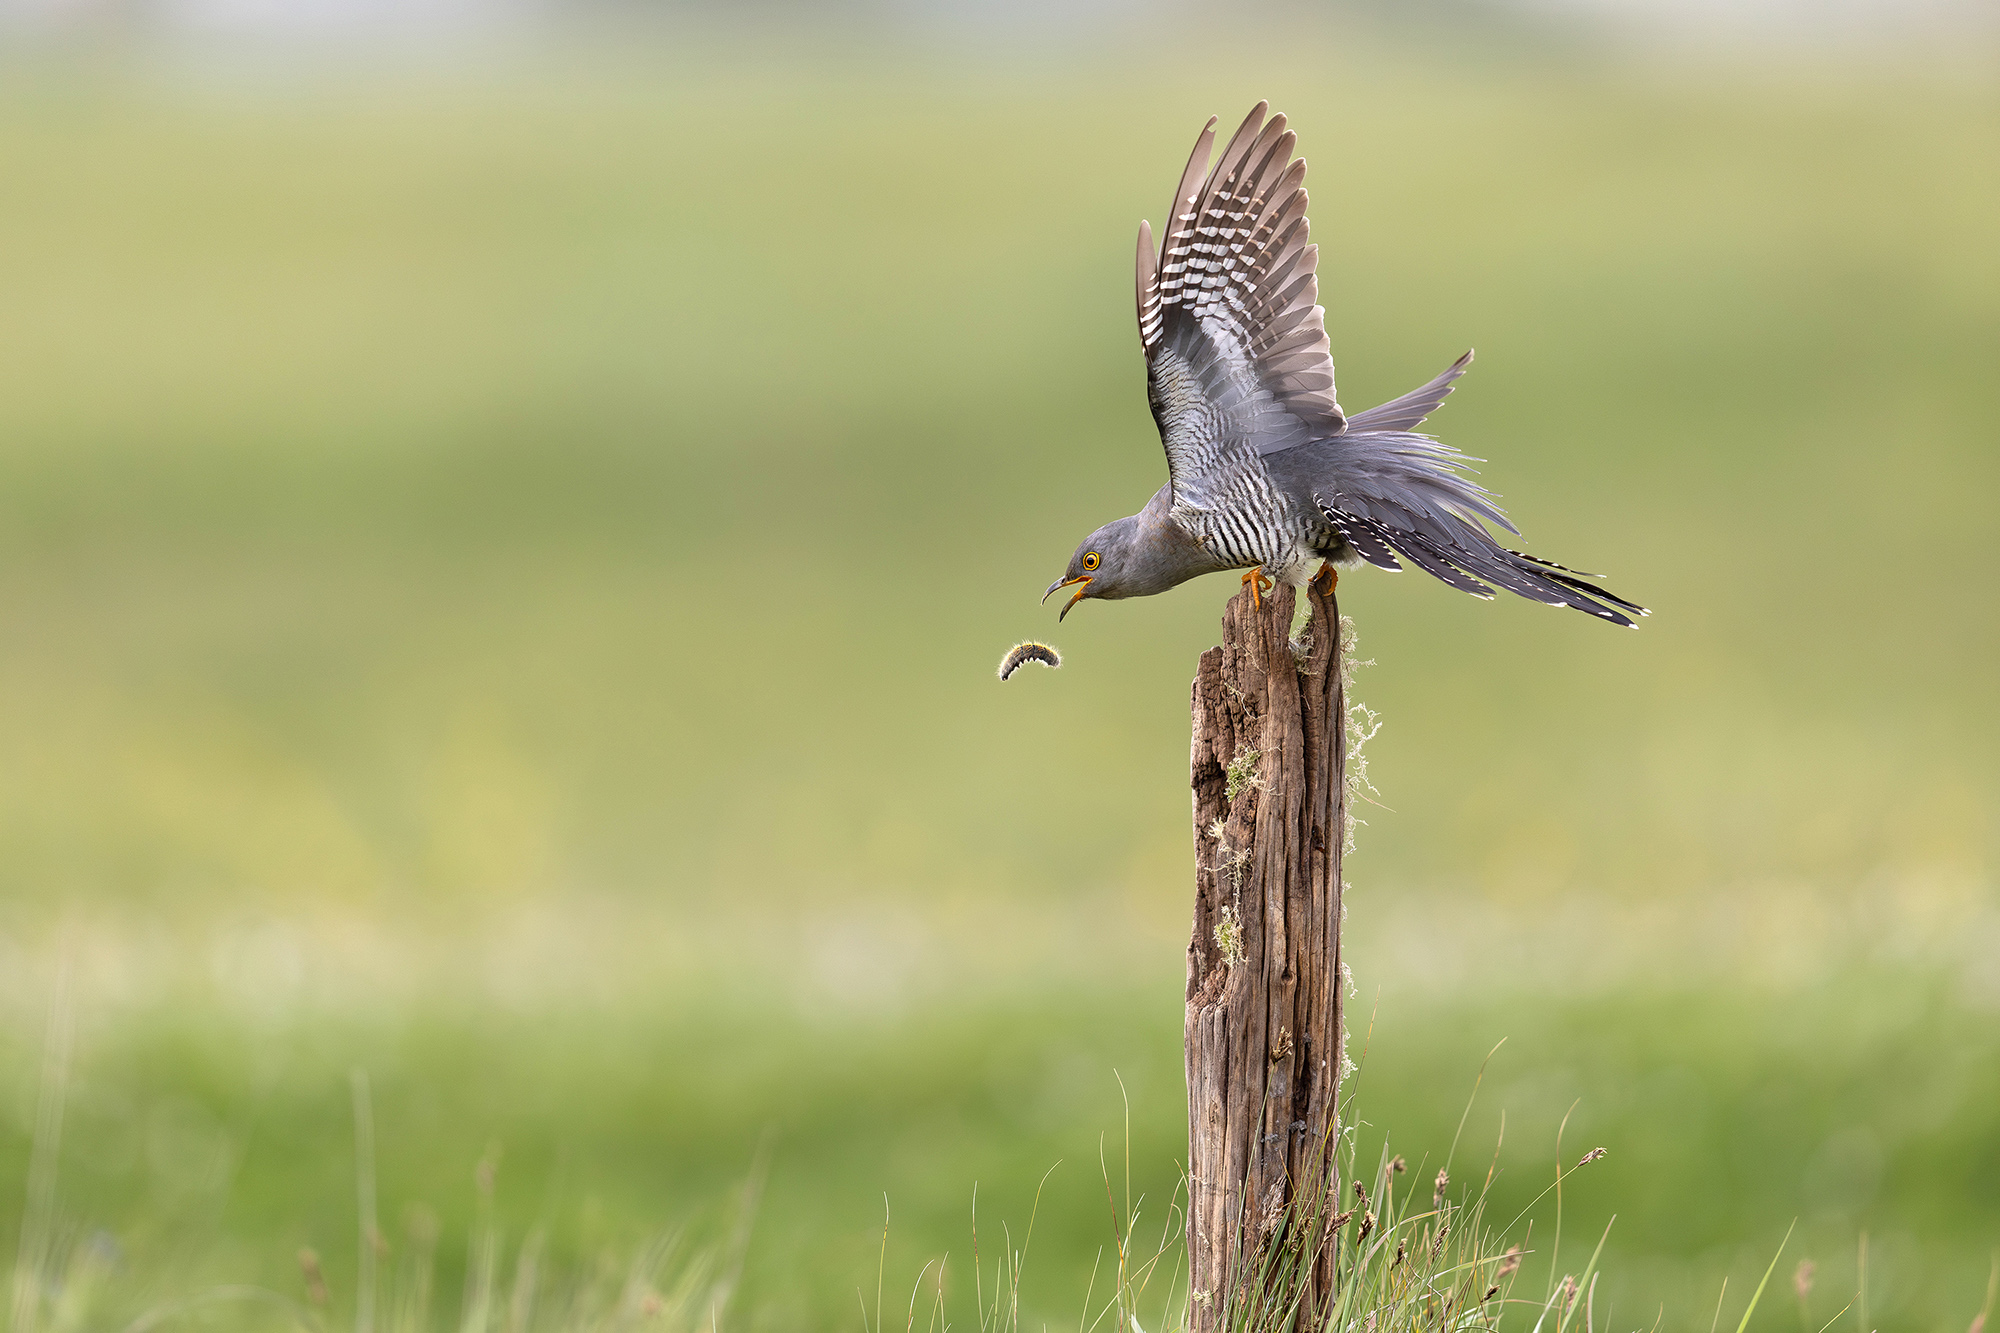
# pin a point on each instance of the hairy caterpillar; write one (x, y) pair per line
(1028, 652)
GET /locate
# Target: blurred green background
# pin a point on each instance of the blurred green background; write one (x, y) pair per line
(502, 560)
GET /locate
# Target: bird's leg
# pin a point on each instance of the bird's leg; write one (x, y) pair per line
(1329, 576)
(1260, 583)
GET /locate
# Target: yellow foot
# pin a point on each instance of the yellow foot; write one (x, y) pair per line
(1326, 580)
(1259, 583)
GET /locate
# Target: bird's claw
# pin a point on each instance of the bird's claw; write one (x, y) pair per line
(1259, 583)
(1326, 580)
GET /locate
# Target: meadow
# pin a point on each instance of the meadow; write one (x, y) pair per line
(500, 576)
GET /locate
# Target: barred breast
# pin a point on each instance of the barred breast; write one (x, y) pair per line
(1243, 519)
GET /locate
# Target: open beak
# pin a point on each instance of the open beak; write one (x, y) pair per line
(1081, 592)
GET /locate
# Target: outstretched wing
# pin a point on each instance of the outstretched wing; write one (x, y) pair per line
(1237, 362)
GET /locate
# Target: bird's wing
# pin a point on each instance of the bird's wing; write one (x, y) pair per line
(1409, 411)
(1236, 351)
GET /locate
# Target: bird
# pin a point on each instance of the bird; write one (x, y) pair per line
(1265, 471)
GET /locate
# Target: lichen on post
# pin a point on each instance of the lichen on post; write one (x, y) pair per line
(1264, 1034)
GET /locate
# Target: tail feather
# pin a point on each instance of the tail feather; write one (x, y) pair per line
(1466, 555)
(1433, 560)
(1593, 590)
(1368, 538)
(1550, 564)
(1520, 582)
(1550, 589)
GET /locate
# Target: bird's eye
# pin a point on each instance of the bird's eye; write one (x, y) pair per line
(1090, 560)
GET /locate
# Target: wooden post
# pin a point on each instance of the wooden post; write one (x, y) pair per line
(1264, 1001)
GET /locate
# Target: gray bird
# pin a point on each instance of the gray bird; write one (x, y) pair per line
(1264, 470)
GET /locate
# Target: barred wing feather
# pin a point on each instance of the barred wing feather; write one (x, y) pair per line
(1237, 361)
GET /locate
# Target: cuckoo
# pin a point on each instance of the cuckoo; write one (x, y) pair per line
(1265, 472)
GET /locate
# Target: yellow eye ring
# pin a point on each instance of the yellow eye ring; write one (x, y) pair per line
(1090, 560)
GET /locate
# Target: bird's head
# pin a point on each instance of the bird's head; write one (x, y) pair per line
(1108, 564)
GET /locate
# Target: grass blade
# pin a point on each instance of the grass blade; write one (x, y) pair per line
(1758, 1294)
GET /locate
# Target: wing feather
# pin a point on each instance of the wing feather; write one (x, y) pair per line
(1238, 363)
(1145, 283)
(1180, 223)
(1409, 411)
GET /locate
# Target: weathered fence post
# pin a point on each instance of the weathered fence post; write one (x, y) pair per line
(1264, 1016)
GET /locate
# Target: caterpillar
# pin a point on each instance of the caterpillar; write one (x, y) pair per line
(1028, 652)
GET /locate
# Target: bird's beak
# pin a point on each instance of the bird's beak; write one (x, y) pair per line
(1081, 592)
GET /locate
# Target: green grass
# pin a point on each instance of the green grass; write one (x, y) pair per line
(500, 576)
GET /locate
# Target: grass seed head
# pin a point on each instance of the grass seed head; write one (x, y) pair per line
(1802, 1278)
(1510, 1260)
(1437, 1195)
(1397, 1165)
(1591, 1156)
(487, 1172)
(315, 1276)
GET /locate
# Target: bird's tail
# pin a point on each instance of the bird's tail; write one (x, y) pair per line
(1404, 494)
